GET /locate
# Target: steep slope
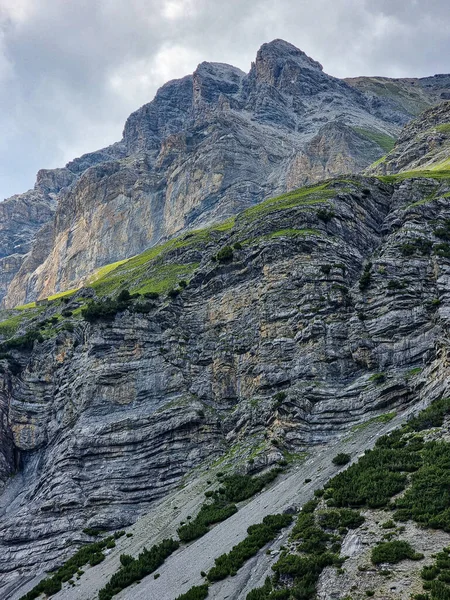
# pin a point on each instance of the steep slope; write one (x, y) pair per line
(402, 99)
(280, 328)
(208, 146)
(26, 220)
(424, 144)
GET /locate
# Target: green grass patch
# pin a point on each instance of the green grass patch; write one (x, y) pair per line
(9, 326)
(385, 141)
(65, 294)
(305, 196)
(384, 418)
(380, 161)
(25, 306)
(443, 128)
(441, 174)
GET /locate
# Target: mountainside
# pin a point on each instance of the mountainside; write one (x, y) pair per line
(208, 146)
(423, 145)
(256, 339)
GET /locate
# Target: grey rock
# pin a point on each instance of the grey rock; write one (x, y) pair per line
(209, 145)
(100, 423)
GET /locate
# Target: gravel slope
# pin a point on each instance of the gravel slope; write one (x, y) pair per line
(182, 569)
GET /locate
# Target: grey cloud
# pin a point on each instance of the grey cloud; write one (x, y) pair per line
(71, 72)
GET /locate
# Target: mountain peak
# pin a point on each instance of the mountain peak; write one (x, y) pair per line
(281, 49)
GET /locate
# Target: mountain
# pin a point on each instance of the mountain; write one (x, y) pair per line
(208, 146)
(215, 380)
(423, 145)
(242, 345)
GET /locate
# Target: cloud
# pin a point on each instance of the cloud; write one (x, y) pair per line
(71, 72)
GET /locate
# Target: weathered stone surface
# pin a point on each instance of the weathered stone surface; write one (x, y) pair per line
(206, 147)
(108, 418)
(423, 144)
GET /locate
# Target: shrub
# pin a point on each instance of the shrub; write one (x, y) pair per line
(173, 293)
(225, 254)
(258, 536)
(419, 245)
(96, 559)
(237, 246)
(146, 563)
(91, 553)
(326, 269)
(393, 552)
(235, 489)
(198, 592)
(366, 277)
(341, 459)
(325, 215)
(23, 342)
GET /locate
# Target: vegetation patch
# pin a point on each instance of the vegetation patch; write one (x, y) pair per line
(198, 592)
(91, 553)
(258, 536)
(309, 195)
(234, 488)
(341, 459)
(385, 141)
(393, 552)
(135, 569)
(436, 578)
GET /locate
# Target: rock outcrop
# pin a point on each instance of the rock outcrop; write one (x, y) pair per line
(334, 307)
(424, 144)
(206, 147)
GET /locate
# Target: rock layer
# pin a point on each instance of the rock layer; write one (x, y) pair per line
(102, 421)
(206, 147)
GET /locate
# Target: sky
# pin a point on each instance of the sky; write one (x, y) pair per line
(71, 71)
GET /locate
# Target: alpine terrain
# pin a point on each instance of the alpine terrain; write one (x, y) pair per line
(224, 347)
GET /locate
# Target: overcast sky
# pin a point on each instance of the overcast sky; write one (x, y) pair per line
(71, 71)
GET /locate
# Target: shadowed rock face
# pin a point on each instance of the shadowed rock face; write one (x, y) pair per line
(105, 420)
(206, 147)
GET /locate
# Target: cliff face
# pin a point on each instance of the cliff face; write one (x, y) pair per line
(26, 220)
(206, 147)
(101, 421)
(424, 144)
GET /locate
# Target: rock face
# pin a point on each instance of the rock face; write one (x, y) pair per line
(26, 220)
(423, 144)
(206, 147)
(402, 99)
(100, 422)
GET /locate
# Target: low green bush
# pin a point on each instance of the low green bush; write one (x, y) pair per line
(198, 592)
(366, 277)
(91, 553)
(258, 536)
(225, 254)
(393, 552)
(137, 568)
(341, 459)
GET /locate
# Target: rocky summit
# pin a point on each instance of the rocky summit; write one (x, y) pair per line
(194, 419)
(208, 146)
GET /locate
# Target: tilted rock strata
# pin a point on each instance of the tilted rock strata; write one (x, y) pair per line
(423, 144)
(206, 147)
(107, 419)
